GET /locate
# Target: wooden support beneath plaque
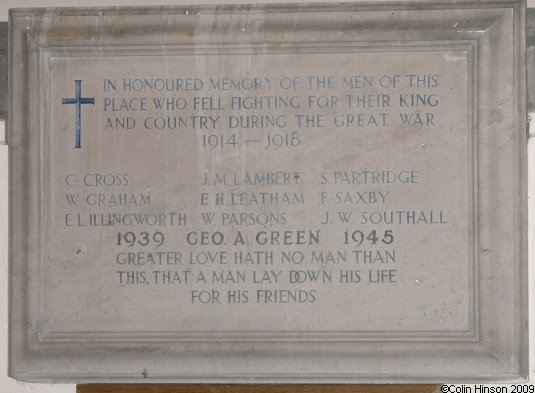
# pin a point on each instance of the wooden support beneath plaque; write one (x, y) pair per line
(260, 388)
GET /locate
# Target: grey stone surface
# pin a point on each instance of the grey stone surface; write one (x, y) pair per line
(530, 27)
(530, 59)
(269, 193)
(3, 70)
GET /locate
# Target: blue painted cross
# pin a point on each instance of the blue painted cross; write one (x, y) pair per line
(78, 100)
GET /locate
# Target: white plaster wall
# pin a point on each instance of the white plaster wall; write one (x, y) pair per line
(8, 385)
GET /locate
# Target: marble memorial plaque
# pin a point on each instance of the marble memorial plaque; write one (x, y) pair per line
(268, 193)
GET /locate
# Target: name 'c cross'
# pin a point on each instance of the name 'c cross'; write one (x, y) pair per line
(78, 101)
